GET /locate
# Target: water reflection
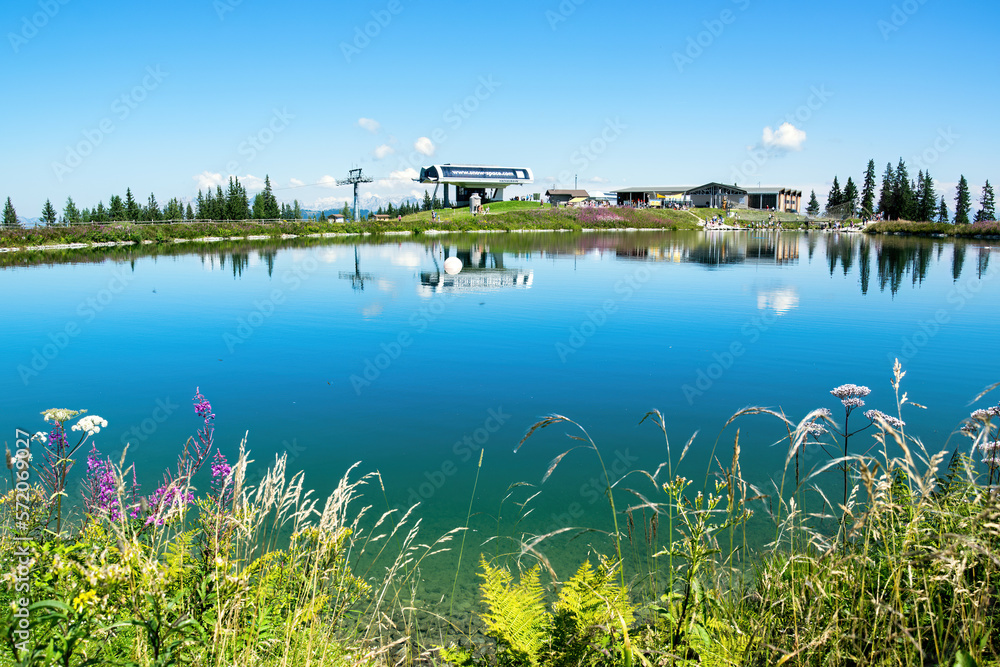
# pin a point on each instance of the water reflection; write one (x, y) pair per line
(780, 300)
(888, 261)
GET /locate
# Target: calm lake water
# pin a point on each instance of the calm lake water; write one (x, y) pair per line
(367, 350)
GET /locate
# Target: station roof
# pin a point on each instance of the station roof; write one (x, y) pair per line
(566, 193)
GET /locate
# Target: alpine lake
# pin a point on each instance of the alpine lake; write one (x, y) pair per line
(365, 349)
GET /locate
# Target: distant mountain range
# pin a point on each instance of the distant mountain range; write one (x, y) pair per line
(366, 205)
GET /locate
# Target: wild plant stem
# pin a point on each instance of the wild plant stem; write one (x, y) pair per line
(465, 532)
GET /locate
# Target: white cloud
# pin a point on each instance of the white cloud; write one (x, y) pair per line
(597, 179)
(786, 138)
(369, 124)
(383, 151)
(251, 182)
(296, 183)
(399, 178)
(328, 182)
(425, 146)
(207, 180)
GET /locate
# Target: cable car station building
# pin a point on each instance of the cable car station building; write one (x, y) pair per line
(468, 179)
(713, 195)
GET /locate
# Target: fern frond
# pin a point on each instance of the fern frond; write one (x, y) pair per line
(516, 613)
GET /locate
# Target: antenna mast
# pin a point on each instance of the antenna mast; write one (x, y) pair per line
(354, 177)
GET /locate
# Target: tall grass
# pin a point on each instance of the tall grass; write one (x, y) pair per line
(902, 569)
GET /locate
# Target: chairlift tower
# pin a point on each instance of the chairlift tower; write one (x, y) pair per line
(354, 177)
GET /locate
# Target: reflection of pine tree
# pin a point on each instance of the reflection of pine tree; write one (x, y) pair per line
(957, 259)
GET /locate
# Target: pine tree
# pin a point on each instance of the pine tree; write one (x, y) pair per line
(963, 202)
(10, 216)
(132, 210)
(868, 192)
(928, 198)
(189, 215)
(116, 209)
(346, 212)
(987, 212)
(100, 213)
(903, 207)
(835, 198)
(49, 214)
(813, 207)
(173, 210)
(850, 197)
(427, 201)
(257, 208)
(152, 210)
(270, 210)
(296, 210)
(942, 211)
(71, 215)
(885, 196)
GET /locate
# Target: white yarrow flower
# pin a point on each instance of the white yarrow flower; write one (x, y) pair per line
(92, 424)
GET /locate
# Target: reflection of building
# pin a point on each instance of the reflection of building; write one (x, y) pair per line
(474, 280)
(722, 248)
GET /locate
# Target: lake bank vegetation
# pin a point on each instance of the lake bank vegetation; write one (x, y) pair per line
(886, 557)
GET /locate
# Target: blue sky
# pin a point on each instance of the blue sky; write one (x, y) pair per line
(165, 97)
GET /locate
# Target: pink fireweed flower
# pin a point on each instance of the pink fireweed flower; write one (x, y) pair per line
(875, 415)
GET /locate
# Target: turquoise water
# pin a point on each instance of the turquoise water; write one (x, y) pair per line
(347, 351)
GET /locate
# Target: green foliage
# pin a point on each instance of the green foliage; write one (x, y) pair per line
(963, 202)
(516, 615)
(10, 216)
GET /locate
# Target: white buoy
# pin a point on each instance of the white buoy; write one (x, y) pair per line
(452, 265)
